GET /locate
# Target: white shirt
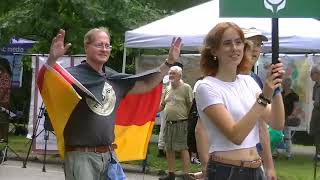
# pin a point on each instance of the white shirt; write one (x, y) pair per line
(238, 97)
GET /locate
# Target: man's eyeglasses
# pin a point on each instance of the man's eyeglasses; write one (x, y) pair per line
(102, 46)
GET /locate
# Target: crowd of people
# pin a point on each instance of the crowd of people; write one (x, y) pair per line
(221, 123)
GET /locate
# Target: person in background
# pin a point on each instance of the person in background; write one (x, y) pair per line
(5, 93)
(255, 41)
(315, 116)
(232, 106)
(192, 142)
(5, 89)
(291, 104)
(161, 143)
(176, 105)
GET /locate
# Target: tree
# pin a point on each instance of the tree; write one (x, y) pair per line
(174, 5)
(7, 5)
(40, 20)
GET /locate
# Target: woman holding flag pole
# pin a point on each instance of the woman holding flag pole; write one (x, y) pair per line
(231, 105)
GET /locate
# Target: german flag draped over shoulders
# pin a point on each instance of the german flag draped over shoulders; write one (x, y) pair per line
(134, 119)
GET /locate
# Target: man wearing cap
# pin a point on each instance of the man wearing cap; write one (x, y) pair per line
(255, 39)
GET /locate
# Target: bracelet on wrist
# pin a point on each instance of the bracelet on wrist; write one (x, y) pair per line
(262, 102)
(168, 64)
(264, 98)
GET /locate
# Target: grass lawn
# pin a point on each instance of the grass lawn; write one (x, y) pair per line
(161, 163)
(300, 168)
(18, 143)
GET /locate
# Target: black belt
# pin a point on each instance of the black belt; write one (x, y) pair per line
(178, 121)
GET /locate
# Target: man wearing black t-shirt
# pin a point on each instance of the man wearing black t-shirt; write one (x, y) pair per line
(89, 133)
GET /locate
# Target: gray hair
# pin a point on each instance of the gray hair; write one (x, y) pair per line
(177, 69)
(88, 38)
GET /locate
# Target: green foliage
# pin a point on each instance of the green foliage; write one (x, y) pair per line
(7, 5)
(174, 5)
(41, 19)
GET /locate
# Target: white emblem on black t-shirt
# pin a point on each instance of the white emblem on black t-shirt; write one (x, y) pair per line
(108, 101)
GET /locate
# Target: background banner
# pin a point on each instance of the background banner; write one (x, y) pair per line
(298, 69)
(13, 53)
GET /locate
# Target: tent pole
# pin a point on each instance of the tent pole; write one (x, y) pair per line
(124, 60)
(137, 61)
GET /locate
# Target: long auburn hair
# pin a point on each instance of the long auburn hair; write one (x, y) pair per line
(212, 42)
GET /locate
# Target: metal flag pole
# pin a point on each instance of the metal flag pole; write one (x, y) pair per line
(275, 40)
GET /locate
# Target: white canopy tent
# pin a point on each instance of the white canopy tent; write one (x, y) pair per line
(300, 35)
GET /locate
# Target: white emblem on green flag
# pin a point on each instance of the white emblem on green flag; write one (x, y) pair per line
(274, 5)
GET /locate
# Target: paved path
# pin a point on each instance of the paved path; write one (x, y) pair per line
(12, 170)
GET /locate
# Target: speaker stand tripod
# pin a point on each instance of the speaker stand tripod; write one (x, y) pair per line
(47, 130)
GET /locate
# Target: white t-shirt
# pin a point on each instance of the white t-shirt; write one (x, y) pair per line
(238, 97)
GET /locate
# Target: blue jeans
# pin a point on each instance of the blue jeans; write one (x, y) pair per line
(219, 171)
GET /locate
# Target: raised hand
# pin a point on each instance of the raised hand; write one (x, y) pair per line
(274, 78)
(58, 48)
(175, 49)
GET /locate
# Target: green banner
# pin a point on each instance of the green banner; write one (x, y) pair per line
(270, 8)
